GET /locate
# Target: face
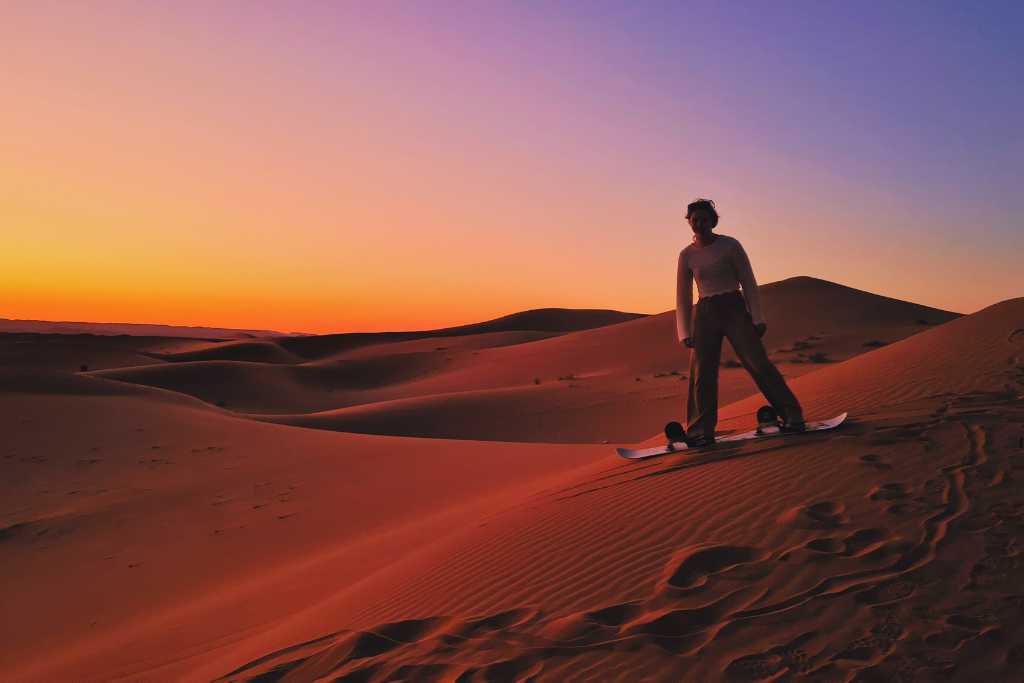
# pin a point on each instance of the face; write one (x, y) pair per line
(700, 221)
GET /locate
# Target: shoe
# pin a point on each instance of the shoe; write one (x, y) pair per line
(794, 427)
(700, 441)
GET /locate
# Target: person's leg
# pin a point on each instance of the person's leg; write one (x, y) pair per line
(702, 402)
(739, 328)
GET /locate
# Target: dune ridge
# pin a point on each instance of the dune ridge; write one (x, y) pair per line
(978, 352)
(132, 329)
(536, 320)
(840, 571)
(592, 385)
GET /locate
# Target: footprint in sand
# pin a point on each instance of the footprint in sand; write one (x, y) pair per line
(969, 623)
(414, 672)
(494, 622)
(890, 491)
(768, 664)
(754, 667)
(821, 515)
(828, 546)
(910, 507)
(978, 521)
(517, 669)
(588, 627)
(616, 615)
(360, 645)
(867, 649)
(997, 570)
(853, 545)
(864, 540)
(948, 640)
(889, 591)
(693, 566)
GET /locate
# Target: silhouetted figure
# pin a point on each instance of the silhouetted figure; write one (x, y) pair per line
(720, 266)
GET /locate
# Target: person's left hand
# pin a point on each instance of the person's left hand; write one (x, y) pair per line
(761, 329)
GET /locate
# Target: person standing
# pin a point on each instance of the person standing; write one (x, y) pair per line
(721, 268)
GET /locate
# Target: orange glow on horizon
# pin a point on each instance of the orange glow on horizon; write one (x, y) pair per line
(157, 173)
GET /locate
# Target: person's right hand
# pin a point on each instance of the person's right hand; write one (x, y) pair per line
(688, 342)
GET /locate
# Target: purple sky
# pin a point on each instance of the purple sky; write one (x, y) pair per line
(341, 165)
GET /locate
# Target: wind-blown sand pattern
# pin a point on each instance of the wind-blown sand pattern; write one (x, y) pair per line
(209, 542)
(825, 594)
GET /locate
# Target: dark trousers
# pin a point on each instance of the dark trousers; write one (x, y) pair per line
(726, 315)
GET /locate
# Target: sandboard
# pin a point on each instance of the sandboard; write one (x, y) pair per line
(760, 433)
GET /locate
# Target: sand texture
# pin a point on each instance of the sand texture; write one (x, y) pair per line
(413, 507)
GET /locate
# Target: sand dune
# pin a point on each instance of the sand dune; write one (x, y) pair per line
(271, 387)
(514, 385)
(548, 319)
(548, 413)
(252, 351)
(72, 353)
(647, 344)
(976, 353)
(133, 329)
(174, 514)
(205, 544)
(538, 320)
(269, 351)
(583, 410)
(885, 549)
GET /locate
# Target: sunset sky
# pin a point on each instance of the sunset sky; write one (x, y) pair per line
(343, 166)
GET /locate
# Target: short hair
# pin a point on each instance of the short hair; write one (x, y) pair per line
(706, 204)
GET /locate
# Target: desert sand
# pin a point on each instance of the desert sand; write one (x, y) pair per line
(449, 506)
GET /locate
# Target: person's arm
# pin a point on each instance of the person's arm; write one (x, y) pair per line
(684, 298)
(745, 274)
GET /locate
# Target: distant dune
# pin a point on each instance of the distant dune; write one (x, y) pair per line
(77, 352)
(537, 320)
(544, 385)
(134, 329)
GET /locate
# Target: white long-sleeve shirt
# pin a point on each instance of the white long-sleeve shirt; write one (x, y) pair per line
(719, 267)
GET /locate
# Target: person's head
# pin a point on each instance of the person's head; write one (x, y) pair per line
(702, 215)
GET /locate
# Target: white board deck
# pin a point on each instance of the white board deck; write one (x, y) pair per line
(678, 447)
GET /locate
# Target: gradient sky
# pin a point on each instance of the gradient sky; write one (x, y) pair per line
(341, 166)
